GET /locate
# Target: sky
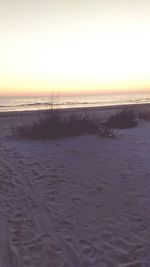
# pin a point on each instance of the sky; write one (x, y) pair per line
(74, 46)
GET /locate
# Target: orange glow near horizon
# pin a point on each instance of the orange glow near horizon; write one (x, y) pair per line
(74, 47)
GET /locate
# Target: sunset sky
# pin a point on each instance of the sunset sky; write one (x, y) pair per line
(74, 45)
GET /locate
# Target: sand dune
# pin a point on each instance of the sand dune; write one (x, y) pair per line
(76, 202)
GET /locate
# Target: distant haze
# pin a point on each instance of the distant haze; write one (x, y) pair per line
(74, 46)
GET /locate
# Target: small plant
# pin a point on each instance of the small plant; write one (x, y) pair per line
(123, 119)
(105, 131)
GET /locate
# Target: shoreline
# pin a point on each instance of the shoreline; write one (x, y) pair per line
(29, 113)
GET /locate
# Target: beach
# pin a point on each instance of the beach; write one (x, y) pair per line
(75, 202)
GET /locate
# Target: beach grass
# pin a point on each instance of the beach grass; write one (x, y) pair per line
(123, 119)
(144, 115)
(54, 125)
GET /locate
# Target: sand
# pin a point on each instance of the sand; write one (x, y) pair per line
(75, 202)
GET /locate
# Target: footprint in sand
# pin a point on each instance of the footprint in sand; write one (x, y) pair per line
(53, 257)
(77, 201)
(36, 251)
(66, 225)
(90, 254)
(136, 252)
(99, 190)
(54, 170)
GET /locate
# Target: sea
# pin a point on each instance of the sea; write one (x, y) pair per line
(80, 101)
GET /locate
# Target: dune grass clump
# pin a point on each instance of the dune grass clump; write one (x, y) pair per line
(144, 115)
(122, 120)
(55, 125)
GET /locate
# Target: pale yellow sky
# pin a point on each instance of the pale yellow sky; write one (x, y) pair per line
(74, 46)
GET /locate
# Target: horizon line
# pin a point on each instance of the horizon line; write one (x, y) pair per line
(78, 93)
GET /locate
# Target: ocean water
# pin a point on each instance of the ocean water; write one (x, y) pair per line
(35, 103)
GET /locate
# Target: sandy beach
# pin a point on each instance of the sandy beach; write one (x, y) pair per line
(75, 202)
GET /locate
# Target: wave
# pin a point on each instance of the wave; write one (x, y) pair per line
(25, 105)
(48, 104)
(68, 102)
